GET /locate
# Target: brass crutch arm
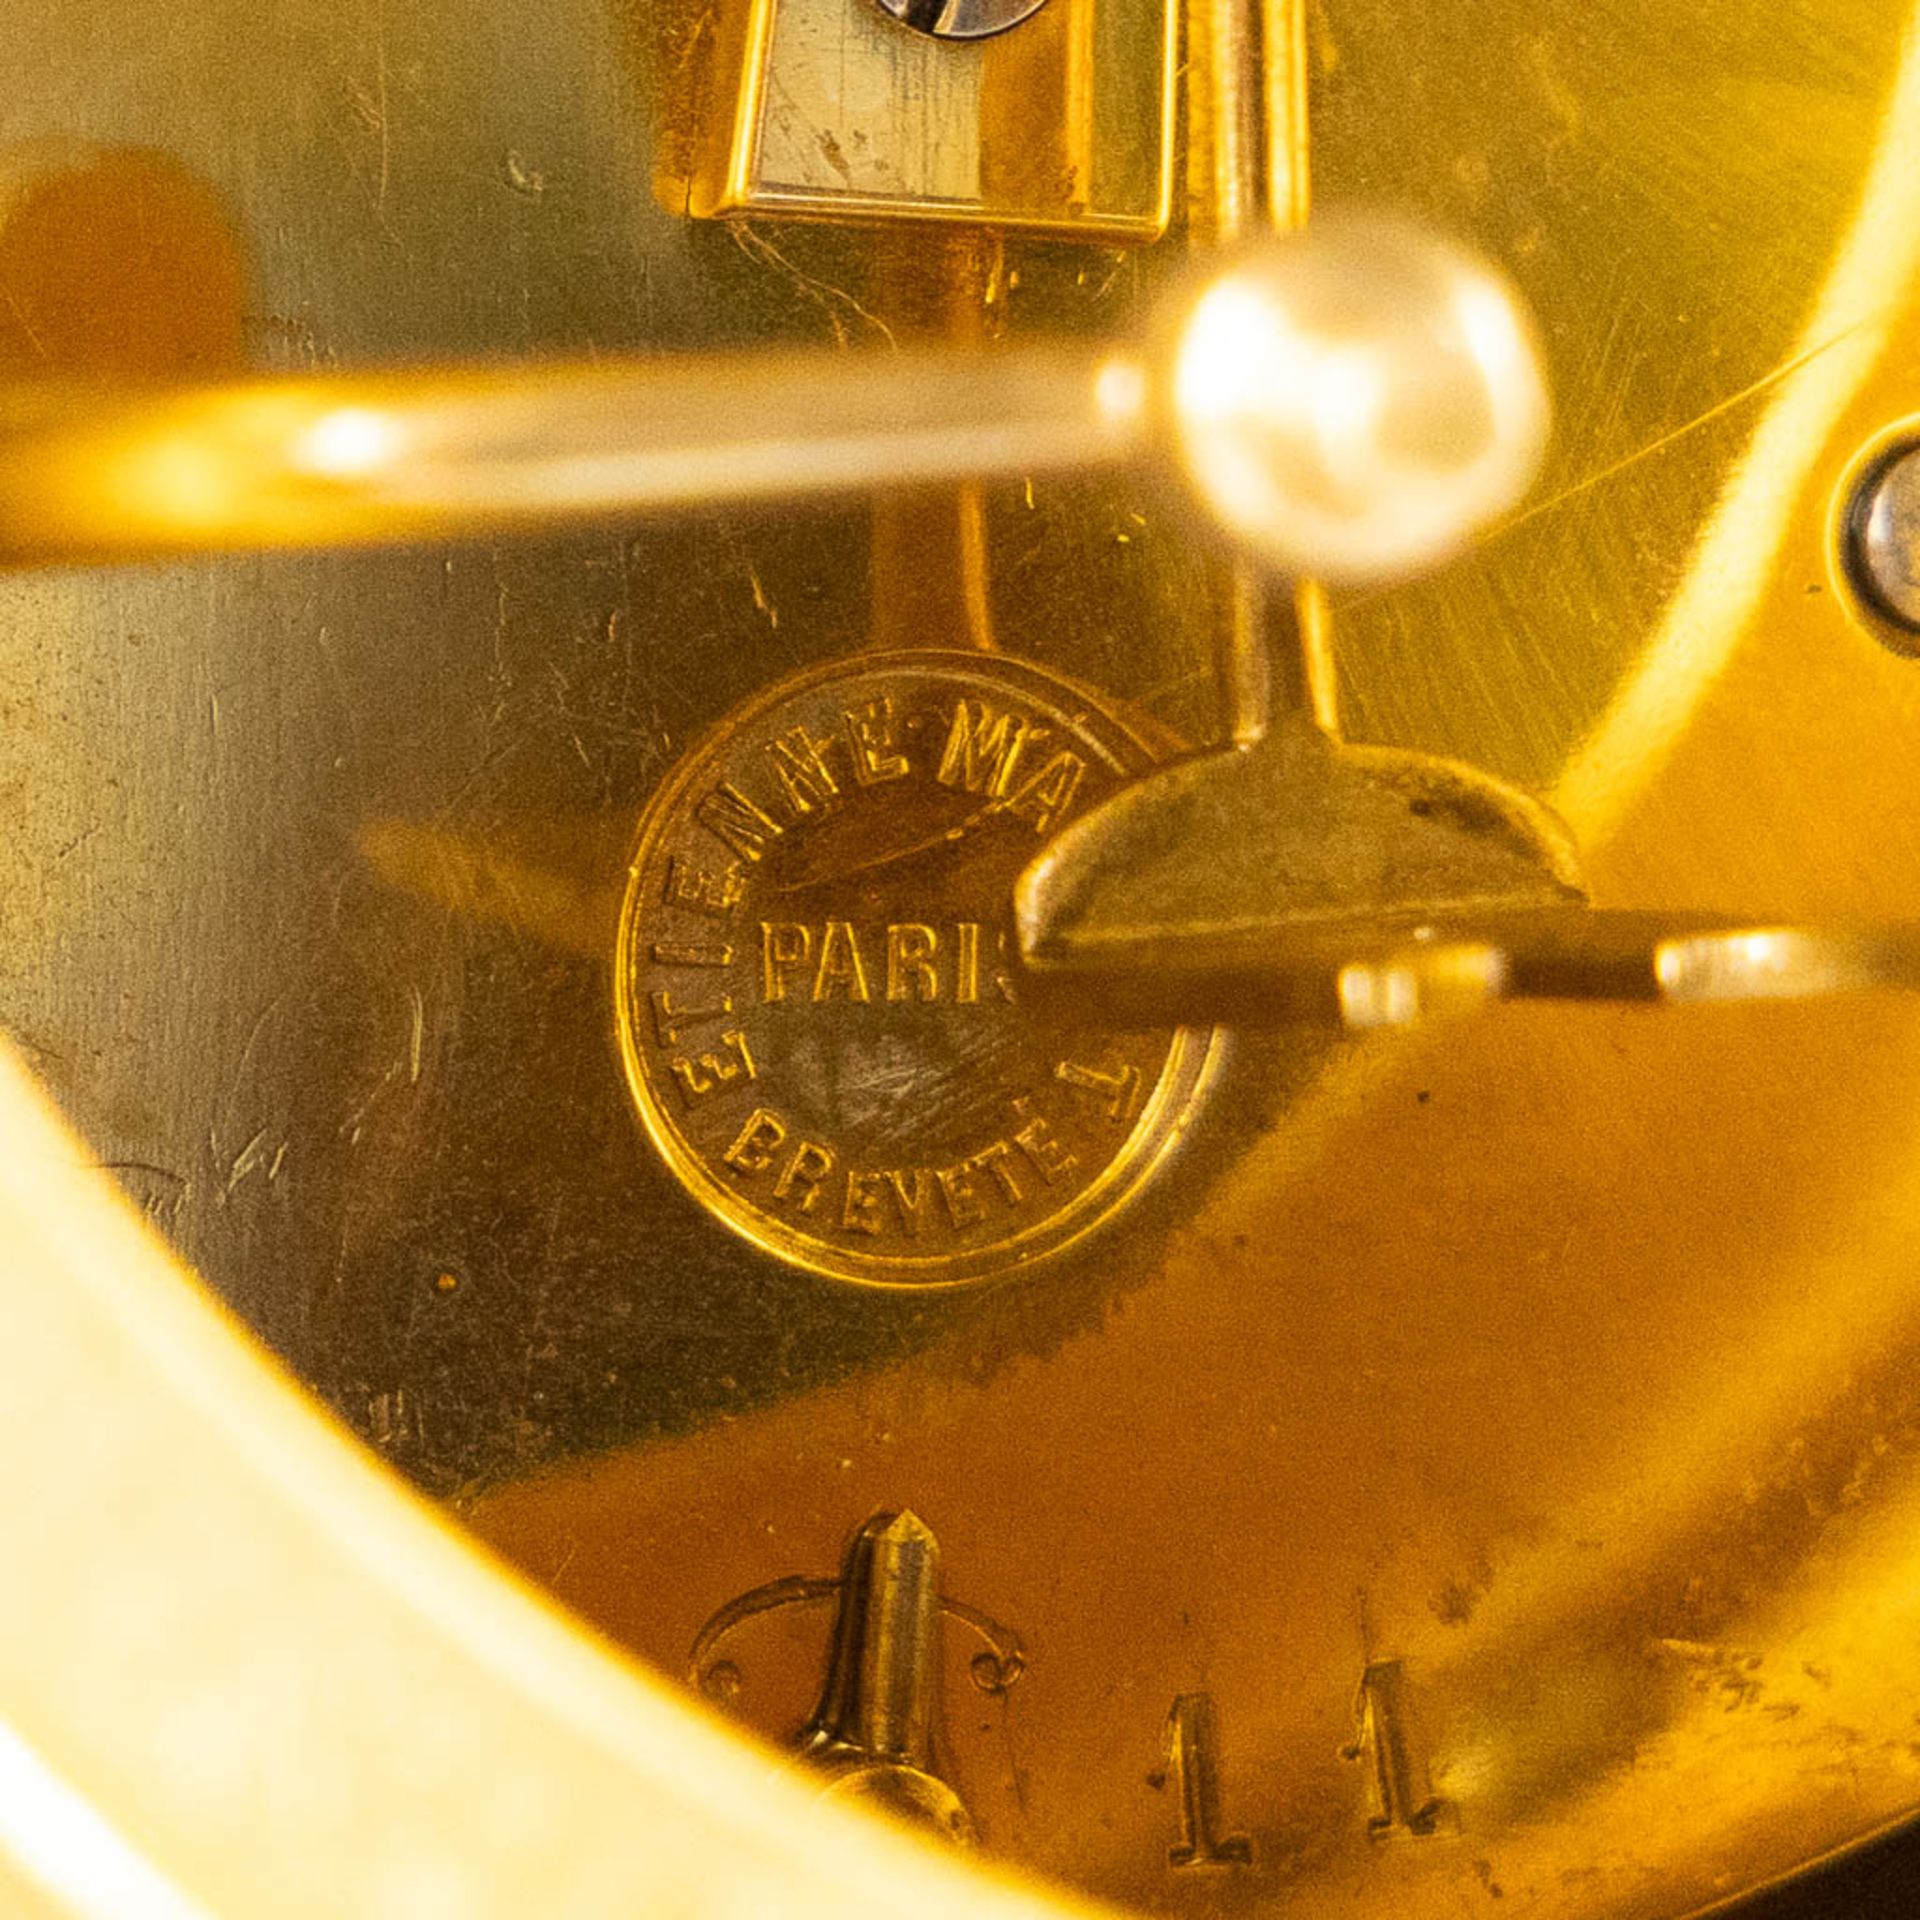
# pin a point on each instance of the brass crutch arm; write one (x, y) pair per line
(380, 458)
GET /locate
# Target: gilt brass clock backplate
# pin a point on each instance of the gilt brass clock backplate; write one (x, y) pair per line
(1446, 1473)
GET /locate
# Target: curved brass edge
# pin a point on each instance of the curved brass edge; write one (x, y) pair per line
(290, 1687)
(1820, 1863)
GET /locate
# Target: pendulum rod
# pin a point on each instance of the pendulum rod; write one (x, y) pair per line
(1248, 174)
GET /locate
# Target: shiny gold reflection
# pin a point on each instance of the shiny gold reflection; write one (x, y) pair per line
(1560, 1369)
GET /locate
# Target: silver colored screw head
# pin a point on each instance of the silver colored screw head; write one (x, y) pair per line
(961, 19)
(1882, 545)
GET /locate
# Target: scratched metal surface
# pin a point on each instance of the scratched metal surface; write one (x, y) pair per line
(331, 1086)
(1656, 179)
(255, 804)
(1571, 1345)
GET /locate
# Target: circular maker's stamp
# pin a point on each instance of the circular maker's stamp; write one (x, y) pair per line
(817, 1010)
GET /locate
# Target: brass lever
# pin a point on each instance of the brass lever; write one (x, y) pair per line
(1264, 420)
(387, 458)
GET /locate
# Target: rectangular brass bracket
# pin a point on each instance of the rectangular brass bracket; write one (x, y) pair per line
(832, 109)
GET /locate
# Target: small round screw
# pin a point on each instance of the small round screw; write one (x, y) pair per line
(1880, 534)
(961, 19)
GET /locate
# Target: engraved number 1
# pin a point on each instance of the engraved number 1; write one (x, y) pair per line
(1190, 1766)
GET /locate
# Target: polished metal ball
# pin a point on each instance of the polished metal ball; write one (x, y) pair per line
(1357, 401)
